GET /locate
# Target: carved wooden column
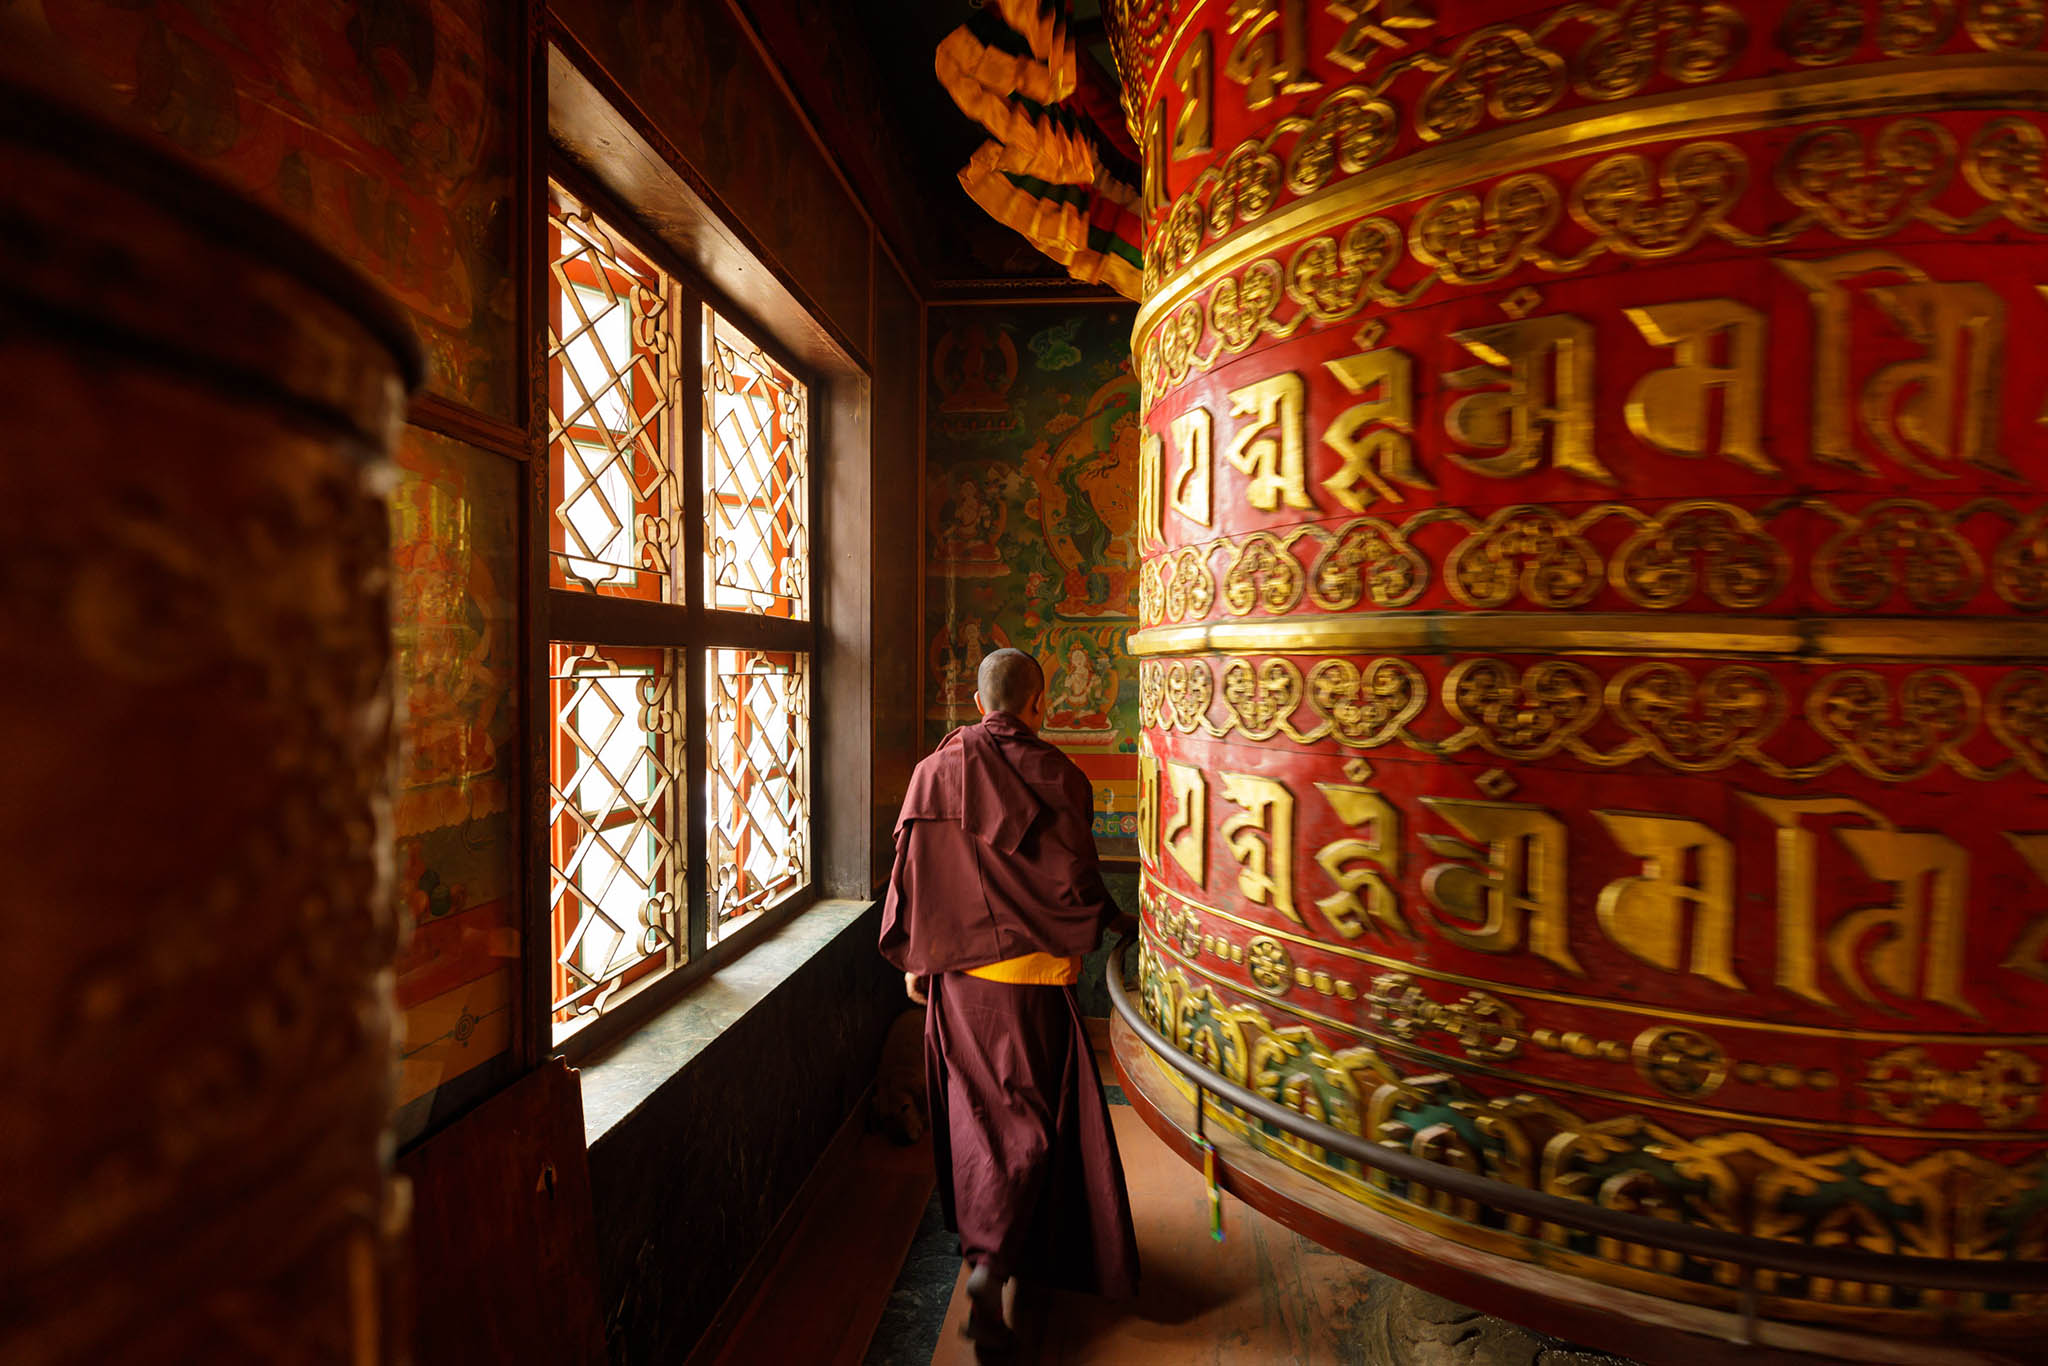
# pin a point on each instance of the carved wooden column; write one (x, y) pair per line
(195, 725)
(1594, 686)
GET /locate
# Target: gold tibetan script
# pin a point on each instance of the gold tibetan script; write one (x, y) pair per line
(1191, 494)
(1151, 521)
(1670, 408)
(1360, 864)
(1911, 946)
(1519, 876)
(1194, 130)
(2027, 956)
(1370, 27)
(1375, 436)
(1271, 56)
(1943, 406)
(1546, 366)
(1186, 836)
(1267, 446)
(1688, 875)
(1262, 839)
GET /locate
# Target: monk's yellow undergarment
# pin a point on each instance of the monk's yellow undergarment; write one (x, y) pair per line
(1032, 970)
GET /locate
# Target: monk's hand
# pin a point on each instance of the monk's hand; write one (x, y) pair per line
(910, 988)
(1124, 927)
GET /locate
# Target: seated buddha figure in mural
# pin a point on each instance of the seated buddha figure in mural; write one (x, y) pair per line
(971, 521)
(1079, 696)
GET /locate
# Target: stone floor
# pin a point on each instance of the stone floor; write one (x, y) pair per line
(865, 1279)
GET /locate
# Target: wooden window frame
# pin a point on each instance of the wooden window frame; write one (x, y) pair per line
(689, 627)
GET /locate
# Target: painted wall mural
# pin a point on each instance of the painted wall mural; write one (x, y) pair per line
(385, 127)
(382, 126)
(1031, 457)
(454, 628)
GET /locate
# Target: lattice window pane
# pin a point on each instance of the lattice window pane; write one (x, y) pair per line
(613, 397)
(756, 478)
(760, 793)
(615, 885)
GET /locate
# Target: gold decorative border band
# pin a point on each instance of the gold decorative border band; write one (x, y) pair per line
(1610, 633)
(2009, 82)
(1542, 556)
(1948, 1201)
(1465, 1067)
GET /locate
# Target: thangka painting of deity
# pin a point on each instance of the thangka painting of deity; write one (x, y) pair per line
(382, 128)
(455, 635)
(1031, 459)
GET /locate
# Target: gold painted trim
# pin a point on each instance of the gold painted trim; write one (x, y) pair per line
(1598, 1003)
(1610, 633)
(2001, 81)
(1461, 1065)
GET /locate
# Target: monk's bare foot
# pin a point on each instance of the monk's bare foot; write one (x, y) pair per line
(985, 1327)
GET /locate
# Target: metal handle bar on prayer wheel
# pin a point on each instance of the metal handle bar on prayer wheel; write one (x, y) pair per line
(1964, 1275)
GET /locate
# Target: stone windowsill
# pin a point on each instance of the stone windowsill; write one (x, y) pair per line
(617, 1082)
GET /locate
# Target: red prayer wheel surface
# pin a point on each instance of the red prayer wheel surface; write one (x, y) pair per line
(1596, 723)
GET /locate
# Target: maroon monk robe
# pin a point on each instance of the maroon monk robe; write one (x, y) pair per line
(995, 859)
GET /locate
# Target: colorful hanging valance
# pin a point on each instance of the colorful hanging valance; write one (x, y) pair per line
(1012, 68)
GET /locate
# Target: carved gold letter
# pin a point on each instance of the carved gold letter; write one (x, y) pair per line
(1191, 485)
(2026, 955)
(1909, 859)
(1389, 375)
(1917, 401)
(1668, 408)
(1151, 523)
(1924, 945)
(1154, 152)
(1685, 864)
(1271, 56)
(1351, 51)
(1945, 404)
(1148, 803)
(1262, 839)
(1193, 131)
(1362, 808)
(1186, 836)
(1274, 463)
(1521, 873)
(1547, 366)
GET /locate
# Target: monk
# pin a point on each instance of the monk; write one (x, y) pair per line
(995, 897)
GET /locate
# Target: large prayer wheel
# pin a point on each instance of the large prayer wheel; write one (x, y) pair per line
(1594, 672)
(195, 723)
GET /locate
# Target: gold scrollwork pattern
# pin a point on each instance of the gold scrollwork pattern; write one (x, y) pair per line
(1520, 714)
(1664, 563)
(1891, 729)
(1898, 545)
(1534, 552)
(1895, 552)
(1948, 1203)
(1366, 561)
(1895, 739)
(1858, 183)
(1505, 74)
(1261, 698)
(1262, 575)
(1696, 725)
(1368, 707)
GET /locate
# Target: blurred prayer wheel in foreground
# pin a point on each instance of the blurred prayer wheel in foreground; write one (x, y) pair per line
(195, 722)
(1595, 679)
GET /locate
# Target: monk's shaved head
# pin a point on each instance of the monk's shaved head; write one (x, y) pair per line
(1008, 681)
